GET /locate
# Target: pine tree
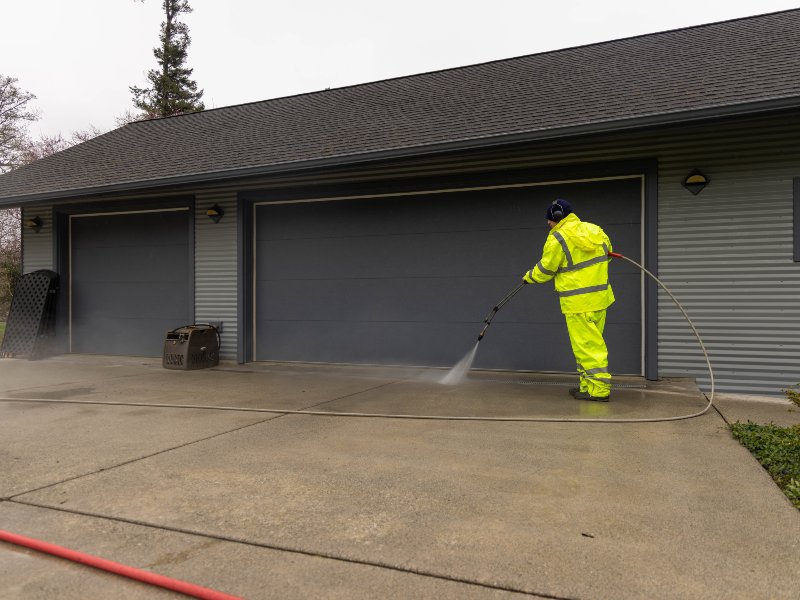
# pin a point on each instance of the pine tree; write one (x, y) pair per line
(172, 90)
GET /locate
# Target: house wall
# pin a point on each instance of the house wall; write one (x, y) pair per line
(37, 247)
(727, 253)
(216, 270)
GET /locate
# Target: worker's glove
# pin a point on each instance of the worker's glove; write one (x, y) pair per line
(528, 277)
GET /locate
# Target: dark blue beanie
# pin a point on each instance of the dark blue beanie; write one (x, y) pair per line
(558, 210)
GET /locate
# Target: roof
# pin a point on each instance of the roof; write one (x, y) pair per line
(733, 67)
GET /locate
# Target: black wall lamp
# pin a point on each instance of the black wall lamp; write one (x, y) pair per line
(215, 213)
(695, 182)
(34, 224)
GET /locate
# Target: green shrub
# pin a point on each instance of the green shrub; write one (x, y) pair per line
(9, 276)
(792, 490)
(778, 451)
(793, 393)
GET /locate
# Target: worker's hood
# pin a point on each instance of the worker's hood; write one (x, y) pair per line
(586, 236)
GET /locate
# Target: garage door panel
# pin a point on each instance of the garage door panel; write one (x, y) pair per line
(602, 202)
(141, 230)
(430, 344)
(164, 300)
(624, 341)
(627, 307)
(400, 215)
(129, 262)
(620, 237)
(530, 339)
(120, 335)
(425, 300)
(409, 280)
(130, 281)
(464, 300)
(456, 253)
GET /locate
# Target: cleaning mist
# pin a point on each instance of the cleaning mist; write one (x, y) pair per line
(457, 374)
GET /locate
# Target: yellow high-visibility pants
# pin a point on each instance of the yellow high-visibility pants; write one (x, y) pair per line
(589, 348)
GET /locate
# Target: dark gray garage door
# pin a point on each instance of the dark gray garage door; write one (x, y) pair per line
(408, 280)
(130, 281)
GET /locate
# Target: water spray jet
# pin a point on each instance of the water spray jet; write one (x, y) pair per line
(459, 371)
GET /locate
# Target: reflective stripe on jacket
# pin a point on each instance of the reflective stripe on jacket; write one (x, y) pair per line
(576, 255)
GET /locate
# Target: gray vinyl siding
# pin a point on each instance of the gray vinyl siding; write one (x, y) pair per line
(37, 247)
(727, 255)
(796, 240)
(216, 280)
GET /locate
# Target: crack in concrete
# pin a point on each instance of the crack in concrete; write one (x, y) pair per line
(184, 445)
(311, 553)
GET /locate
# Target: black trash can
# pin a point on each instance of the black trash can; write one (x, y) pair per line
(191, 347)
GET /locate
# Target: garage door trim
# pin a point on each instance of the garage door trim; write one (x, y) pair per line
(644, 175)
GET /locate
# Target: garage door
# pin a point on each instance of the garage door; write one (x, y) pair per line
(130, 281)
(408, 280)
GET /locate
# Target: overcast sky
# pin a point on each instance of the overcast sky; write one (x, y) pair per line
(80, 56)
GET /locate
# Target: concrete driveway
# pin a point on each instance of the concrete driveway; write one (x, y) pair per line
(264, 505)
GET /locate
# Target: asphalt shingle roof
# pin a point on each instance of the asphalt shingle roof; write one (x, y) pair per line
(735, 66)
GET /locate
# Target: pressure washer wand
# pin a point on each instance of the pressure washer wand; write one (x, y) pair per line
(493, 312)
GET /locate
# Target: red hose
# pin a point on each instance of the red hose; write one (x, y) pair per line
(118, 569)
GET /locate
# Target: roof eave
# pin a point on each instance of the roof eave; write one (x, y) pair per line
(646, 121)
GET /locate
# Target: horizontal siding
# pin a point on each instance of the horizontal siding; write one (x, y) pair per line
(37, 247)
(727, 254)
(216, 279)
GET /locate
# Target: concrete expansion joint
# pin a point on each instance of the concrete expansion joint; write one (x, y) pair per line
(311, 553)
(717, 410)
(179, 446)
(137, 459)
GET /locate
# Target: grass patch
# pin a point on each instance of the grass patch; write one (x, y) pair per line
(2, 331)
(778, 451)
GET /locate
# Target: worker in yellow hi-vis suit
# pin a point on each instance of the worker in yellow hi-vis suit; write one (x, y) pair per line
(576, 255)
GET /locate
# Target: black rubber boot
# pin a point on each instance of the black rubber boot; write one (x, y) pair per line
(579, 395)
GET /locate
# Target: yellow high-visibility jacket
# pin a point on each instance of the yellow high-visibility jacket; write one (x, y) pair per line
(576, 255)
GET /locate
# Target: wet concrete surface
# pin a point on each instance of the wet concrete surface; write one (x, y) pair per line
(264, 505)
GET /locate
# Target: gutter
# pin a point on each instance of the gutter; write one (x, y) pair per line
(654, 120)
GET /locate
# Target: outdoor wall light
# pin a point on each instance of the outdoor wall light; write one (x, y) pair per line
(35, 224)
(695, 182)
(215, 213)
